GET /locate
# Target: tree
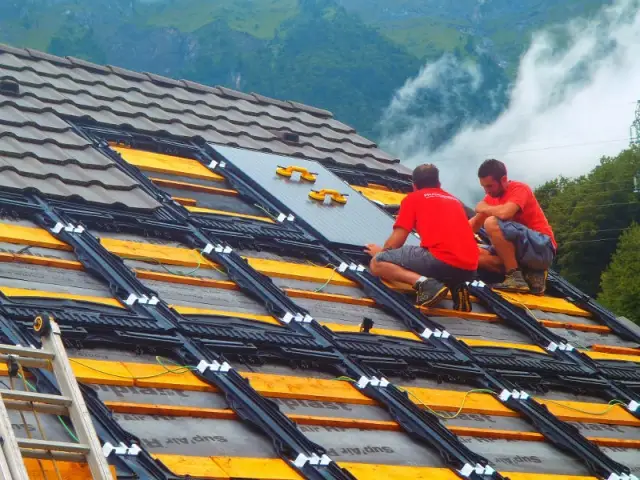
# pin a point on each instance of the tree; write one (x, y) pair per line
(620, 281)
(589, 213)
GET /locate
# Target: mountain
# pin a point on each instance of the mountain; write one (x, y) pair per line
(348, 57)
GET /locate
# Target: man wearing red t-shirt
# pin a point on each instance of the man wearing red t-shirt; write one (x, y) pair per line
(523, 245)
(448, 253)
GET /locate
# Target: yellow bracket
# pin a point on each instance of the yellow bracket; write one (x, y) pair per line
(304, 173)
(335, 195)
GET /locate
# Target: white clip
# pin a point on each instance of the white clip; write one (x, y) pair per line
(225, 367)
(445, 334)
(466, 470)
(633, 477)
(353, 266)
(223, 164)
(384, 382)
(360, 268)
(134, 450)
(143, 299)
(299, 317)
(363, 382)
(154, 300)
(613, 476)
(427, 333)
(131, 299)
(569, 347)
(287, 317)
(202, 366)
(479, 469)
(78, 229)
(315, 459)
(281, 217)
(523, 395)
(515, 394)
(301, 460)
(208, 248)
(633, 406)
(325, 460)
(624, 476)
(437, 333)
(290, 217)
(307, 318)
(552, 347)
(488, 470)
(219, 248)
(505, 395)
(227, 249)
(480, 283)
(343, 267)
(213, 164)
(58, 228)
(70, 227)
(374, 381)
(108, 449)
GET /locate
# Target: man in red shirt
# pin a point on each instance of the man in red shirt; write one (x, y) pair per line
(448, 253)
(523, 245)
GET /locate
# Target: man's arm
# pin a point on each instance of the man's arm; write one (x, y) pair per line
(477, 221)
(504, 212)
(396, 239)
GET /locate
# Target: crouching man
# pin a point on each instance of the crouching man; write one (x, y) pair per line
(448, 253)
(522, 243)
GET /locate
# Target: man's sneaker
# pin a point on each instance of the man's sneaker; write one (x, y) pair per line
(537, 281)
(461, 298)
(514, 282)
(430, 292)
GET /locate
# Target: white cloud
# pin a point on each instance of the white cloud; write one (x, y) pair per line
(569, 106)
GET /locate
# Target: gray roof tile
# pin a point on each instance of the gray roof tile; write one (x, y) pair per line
(151, 103)
(40, 151)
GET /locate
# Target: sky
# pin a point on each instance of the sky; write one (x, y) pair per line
(569, 106)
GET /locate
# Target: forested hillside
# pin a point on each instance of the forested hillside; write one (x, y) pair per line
(594, 218)
(347, 56)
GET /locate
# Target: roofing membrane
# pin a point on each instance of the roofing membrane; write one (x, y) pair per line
(115, 195)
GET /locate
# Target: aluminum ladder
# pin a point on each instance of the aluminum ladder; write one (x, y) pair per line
(13, 450)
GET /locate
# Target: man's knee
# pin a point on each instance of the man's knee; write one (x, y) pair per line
(492, 225)
(374, 266)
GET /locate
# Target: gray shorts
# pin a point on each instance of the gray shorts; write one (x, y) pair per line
(534, 250)
(422, 262)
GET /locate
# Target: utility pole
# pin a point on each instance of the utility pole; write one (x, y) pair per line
(634, 130)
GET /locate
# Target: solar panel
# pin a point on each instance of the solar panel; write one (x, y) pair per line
(357, 222)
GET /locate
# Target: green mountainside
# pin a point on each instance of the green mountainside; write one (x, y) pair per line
(347, 56)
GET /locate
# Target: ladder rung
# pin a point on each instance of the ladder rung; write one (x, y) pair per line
(35, 397)
(38, 407)
(26, 352)
(27, 362)
(61, 456)
(51, 446)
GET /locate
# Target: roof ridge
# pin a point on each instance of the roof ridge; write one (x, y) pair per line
(221, 91)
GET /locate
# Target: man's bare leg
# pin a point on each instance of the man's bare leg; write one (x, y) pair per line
(429, 290)
(506, 255)
(504, 248)
(490, 262)
(393, 273)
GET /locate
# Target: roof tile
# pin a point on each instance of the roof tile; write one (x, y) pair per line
(154, 104)
(48, 57)
(13, 50)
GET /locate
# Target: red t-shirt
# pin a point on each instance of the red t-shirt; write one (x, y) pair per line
(530, 214)
(440, 220)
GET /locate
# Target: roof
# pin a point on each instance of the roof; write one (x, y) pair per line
(231, 336)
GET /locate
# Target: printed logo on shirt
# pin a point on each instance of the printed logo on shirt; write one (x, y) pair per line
(438, 195)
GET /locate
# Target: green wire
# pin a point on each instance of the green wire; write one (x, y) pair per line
(66, 427)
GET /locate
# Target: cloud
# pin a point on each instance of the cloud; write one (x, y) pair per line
(571, 103)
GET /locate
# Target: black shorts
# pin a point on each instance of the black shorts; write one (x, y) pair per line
(422, 262)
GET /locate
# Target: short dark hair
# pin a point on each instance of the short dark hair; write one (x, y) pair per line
(426, 176)
(492, 167)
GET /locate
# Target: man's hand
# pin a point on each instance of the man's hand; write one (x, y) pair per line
(372, 249)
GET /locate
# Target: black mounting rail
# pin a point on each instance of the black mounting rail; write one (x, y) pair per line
(242, 398)
(141, 466)
(584, 301)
